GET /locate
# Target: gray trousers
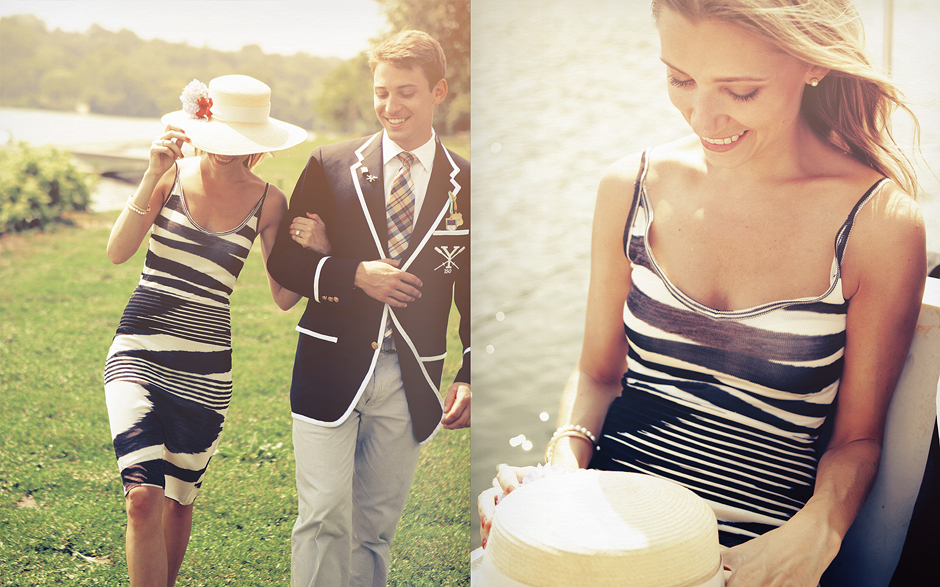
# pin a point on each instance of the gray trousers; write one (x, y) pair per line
(352, 484)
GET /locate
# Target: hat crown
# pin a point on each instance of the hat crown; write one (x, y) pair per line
(590, 527)
(240, 98)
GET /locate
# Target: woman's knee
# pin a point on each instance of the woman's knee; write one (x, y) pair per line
(144, 503)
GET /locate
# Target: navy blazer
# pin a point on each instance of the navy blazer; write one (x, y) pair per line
(342, 328)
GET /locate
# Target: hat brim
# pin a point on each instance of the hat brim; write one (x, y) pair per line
(237, 138)
(483, 573)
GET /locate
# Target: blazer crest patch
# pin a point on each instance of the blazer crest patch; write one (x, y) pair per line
(449, 253)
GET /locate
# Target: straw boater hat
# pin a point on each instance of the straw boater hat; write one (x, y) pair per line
(231, 117)
(600, 528)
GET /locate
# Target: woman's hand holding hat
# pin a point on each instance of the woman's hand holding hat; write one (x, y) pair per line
(166, 149)
(507, 479)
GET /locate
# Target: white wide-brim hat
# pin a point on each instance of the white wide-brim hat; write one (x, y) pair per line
(600, 528)
(239, 121)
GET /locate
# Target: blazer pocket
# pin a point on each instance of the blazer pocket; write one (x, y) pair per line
(325, 327)
(459, 232)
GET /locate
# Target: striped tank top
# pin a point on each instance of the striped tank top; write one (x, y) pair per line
(175, 333)
(730, 404)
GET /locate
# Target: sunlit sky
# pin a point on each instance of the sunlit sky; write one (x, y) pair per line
(340, 28)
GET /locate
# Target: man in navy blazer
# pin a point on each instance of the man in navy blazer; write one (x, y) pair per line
(364, 392)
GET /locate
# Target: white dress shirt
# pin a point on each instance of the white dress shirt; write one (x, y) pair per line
(420, 169)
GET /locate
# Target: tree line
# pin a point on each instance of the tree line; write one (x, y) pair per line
(118, 73)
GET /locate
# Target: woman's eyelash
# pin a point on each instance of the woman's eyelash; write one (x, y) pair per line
(745, 97)
(678, 82)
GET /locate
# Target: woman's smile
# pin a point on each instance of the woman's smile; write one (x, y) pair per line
(723, 144)
(222, 160)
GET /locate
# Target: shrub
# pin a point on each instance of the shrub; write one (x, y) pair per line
(38, 184)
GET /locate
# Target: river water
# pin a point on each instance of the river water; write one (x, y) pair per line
(87, 133)
(560, 91)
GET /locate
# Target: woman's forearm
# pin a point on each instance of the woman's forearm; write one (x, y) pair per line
(283, 297)
(844, 479)
(584, 401)
(131, 226)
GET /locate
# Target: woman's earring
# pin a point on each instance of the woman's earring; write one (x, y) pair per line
(814, 82)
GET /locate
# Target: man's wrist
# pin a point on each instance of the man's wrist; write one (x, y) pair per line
(359, 277)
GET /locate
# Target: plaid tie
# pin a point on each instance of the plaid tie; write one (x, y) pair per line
(401, 208)
(400, 212)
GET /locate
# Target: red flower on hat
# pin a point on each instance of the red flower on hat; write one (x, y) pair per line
(204, 104)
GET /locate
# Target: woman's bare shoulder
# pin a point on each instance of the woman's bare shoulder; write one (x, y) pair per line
(895, 215)
(275, 196)
(186, 169)
(671, 160)
(888, 241)
(275, 205)
(617, 184)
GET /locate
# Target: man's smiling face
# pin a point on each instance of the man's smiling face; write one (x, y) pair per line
(404, 103)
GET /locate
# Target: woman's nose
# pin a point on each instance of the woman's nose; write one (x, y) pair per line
(707, 115)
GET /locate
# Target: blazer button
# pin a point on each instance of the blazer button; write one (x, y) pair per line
(375, 345)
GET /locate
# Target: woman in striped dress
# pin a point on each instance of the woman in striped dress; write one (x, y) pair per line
(168, 377)
(745, 279)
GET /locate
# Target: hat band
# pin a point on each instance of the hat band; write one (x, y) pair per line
(252, 114)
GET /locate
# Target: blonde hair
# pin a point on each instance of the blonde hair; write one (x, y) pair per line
(255, 158)
(852, 104)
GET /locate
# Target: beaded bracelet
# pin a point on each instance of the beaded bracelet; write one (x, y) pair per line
(573, 431)
(135, 208)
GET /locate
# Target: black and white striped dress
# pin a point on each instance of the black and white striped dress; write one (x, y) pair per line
(168, 376)
(727, 403)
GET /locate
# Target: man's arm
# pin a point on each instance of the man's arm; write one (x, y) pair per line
(319, 277)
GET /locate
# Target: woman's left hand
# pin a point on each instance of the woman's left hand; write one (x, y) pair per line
(310, 233)
(787, 556)
(507, 479)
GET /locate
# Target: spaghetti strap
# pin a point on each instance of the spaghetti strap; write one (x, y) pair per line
(176, 178)
(260, 205)
(638, 185)
(842, 237)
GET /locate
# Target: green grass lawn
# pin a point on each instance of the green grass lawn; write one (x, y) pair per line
(61, 504)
